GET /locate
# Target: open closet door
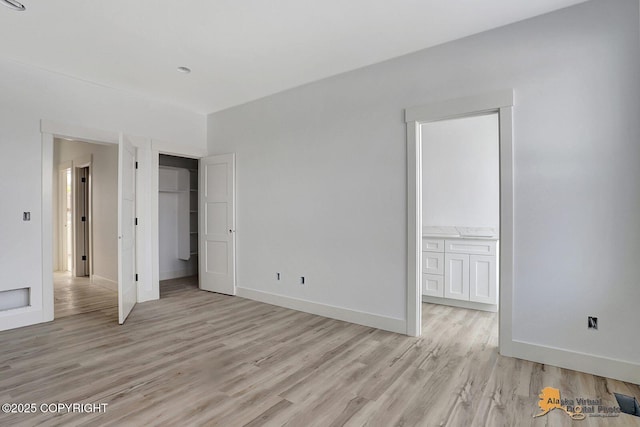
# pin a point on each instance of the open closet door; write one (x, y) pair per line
(127, 288)
(217, 224)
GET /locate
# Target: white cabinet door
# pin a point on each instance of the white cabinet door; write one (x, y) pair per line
(483, 279)
(432, 263)
(456, 276)
(433, 285)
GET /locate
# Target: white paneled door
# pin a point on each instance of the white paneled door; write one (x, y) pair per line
(217, 224)
(127, 288)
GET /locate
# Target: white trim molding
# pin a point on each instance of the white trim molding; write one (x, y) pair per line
(47, 230)
(339, 313)
(51, 130)
(500, 102)
(74, 132)
(459, 107)
(597, 365)
(173, 149)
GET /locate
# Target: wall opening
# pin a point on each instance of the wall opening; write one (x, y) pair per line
(461, 212)
(177, 223)
(500, 102)
(85, 267)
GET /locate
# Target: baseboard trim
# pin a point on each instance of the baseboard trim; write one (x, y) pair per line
(103, 282)
(20, 317)
(353, 316)
(583, 362)
(167, 275)
(461, 304)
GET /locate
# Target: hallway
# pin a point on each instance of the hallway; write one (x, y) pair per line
(75, 295)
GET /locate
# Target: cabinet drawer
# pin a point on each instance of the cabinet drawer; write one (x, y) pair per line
(432, 263)
(472, 247)
(433, 285)
(432, 245)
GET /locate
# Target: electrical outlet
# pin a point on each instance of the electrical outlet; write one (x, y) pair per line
(26, 216)
(592, 322)
(302, 280)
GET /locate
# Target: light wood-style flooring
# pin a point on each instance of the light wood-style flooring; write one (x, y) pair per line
(197, 358)
(75, 295)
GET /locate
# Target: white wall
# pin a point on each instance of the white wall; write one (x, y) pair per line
(461, 172)
(104, 183)
(168, 237)
(29, 95)
(321, 175)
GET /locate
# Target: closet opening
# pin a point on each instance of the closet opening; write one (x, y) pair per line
(177, 224)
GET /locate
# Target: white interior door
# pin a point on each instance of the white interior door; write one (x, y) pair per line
(127, 289)
(81, 216)
(217, 224)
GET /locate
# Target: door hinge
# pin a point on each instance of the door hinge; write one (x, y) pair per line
(136, 277)
(83, 219)
(136, 221)
(84, 257)
(136, 165)
(83, 179)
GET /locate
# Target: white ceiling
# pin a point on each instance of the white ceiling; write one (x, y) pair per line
(239, 50)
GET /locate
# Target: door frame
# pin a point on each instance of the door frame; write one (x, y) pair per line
(61, 216)
(156, 148)
(51, 130)
(501, 102)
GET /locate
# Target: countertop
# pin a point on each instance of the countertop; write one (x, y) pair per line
(456, 232)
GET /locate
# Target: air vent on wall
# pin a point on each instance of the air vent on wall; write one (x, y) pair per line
(15, 298)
